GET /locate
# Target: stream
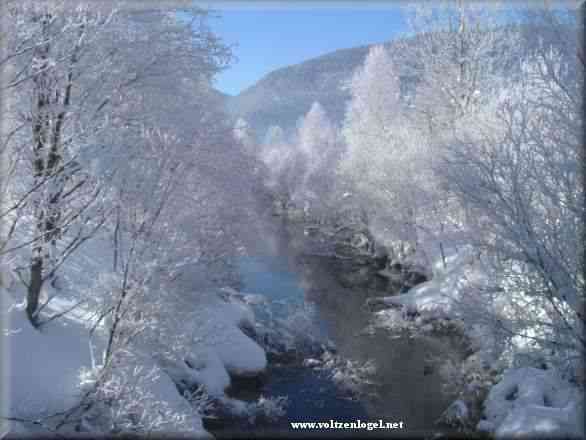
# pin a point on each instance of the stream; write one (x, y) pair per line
(396, 387)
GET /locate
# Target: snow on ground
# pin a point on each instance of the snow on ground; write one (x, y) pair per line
(451, 293)
(441, 292)
(461, 291)
(529, 402)
(43, 367)
(47, 367)
(45, 374)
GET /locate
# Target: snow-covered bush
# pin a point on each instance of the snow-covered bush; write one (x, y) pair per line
(301, 170)
(264, 409)
(270, 408)
(133, 394)
(350, 375)
(471, 381)
(201, 401)
(524, 192)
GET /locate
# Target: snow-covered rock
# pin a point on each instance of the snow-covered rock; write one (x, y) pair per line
(530, 402)
(242, 357)
(202, 368)
(218, 348)
(311, 363)
(210, 371)
(220, 330)
(425, 296)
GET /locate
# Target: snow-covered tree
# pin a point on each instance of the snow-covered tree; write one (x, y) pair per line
(184, 197)
(63, 96)
(318, 143)
(274, 136)
(79, 91)
(244, 135)
(285, 166)
(386, 159)
(456, 61)
(518, 170)
(301, 170)
(453, 59)
(276, 154)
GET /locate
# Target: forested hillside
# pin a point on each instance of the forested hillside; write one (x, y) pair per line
(284, 95)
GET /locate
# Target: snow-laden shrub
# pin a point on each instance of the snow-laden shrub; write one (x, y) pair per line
(516, 171)
(132, 394)
(417, 323)
(470, 381)
(200, 400)
(264, 409)
(473, 376)
(535, 329)
(487, 298)
(271, 408)
(352, 376)
(457, 351)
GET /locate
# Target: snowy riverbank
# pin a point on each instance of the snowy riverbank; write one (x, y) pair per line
(52, 370)
(501, 392)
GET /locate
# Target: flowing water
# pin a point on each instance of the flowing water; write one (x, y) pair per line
(398, 389)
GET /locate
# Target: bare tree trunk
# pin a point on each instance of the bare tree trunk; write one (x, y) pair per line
(37, 260)
(40, 138)
(5, 109)
(47, 135)
(34, 289)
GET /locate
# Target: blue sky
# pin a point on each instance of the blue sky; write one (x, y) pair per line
(268, 37)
